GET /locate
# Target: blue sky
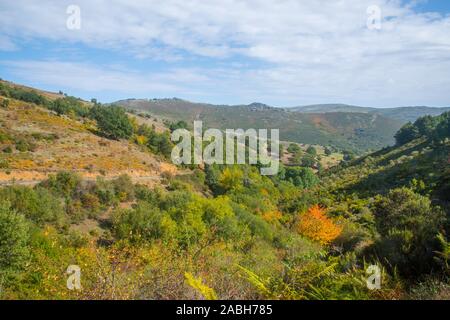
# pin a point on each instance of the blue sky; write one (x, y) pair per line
(283, 53)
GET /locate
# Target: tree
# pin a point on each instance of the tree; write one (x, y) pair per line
(178, 125)
(311, 150)
(308, 161)
(443, 128)
(406, 134)
(426, 125)
(315, 225)
(293, 148)
(112, 122)
(13, 239)
(301, 177)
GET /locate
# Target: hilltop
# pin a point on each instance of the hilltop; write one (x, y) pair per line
(403, 114)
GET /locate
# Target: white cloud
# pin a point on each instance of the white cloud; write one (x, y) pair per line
(306, 51)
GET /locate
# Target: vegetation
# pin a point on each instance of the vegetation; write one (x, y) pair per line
(226, 231)
(112, 121)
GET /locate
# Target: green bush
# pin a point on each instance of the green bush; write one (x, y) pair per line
(408, 225)
(123, 188)
(14, 235)
(143, 223)
(63, 183)
(38, 205)
(69, 106)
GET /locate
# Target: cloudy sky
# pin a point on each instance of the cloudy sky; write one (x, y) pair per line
(280, 52)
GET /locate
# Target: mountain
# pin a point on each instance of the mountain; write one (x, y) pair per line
(353, 131)
(403, 114)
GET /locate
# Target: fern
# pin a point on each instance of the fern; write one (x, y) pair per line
(197, 284)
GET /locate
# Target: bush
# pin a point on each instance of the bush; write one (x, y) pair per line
(39, 205)
(123, 188)
(14, 236)
(144, 223)
(408, 225)
(315, 225)
(69, 106)
(63, 183)
(8, 149)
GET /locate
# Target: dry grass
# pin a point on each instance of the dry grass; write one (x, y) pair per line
(75, 148)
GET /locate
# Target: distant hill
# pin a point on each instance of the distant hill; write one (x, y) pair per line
(358, 132)
(403, 114)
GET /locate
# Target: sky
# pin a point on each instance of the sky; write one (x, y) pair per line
(374, 53)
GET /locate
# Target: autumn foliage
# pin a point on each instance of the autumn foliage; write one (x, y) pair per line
(315, 225)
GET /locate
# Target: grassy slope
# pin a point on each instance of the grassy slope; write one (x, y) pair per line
(60, 143)
(397, 166)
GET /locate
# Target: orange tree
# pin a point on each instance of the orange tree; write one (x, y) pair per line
(315, 225)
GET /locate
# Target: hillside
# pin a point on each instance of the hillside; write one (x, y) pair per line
(420, 160)
(357, 132)
(36, 142)
(402, 114)
(419, 164)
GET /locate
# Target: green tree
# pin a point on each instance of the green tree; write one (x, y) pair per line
(406, 134)
(443, 128)
(426, 125)
(178, 125)
(112, 121)
(308, 161)
(301, 177)
(293, 148)
(311, 150)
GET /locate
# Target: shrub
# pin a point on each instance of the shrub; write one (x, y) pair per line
(144, 223)
(315, 225)
(231, 179)
(63, 183)
(5, 103)
(123, 188)
(7, 149)
(38, 204)
(408, 225)
(69, 106)
(14, 236)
